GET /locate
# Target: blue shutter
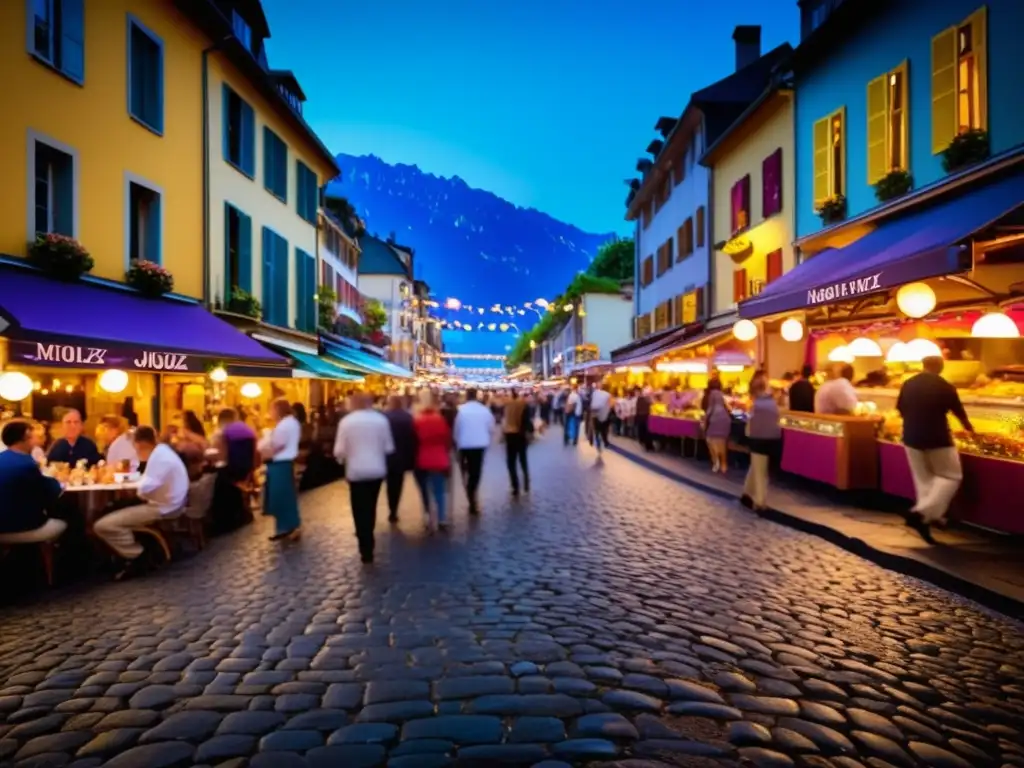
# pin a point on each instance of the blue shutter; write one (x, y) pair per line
(228, 287)
(154, 235)
(268, 161)
(244, 252)
(311, 290)
(300, 291)
(300, 187)
(268, 275)
(281, 284)
(248, 159)
(72, 39)
(225, 118)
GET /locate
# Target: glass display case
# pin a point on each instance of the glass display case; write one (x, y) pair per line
(837, 450)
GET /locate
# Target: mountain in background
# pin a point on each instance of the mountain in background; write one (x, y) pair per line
(469, 243)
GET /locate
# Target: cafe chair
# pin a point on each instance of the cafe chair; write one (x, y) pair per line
(45, 538)
(189, 522)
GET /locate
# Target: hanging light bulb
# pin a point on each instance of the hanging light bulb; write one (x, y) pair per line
(251, 390)
(995, 325)
(919, 349)
(492, 326)
(744, 330)
(15, 386)
(503, 327)
(792, 330)
(865, 347)
(113, 381)
(898, 353)
(840, 354)
(219, 375)
(915, 299)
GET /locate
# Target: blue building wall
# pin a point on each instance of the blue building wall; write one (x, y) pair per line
(903, 32)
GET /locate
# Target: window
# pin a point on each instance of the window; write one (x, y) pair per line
(829, 136)
(739, 285)
(56, 35)
(305, 290)
(740, 205)
(665, 257)
(699, 225)
(275, 278)
(887, 124)
(959, 80)
(648, 271)
(241, 29)
(307, 191)
(771, 184)
(773, 268)
(145, 76)
(275, 165)
(144, 222)
(239, 133)
(685, 235)
(54, 195)
(237, 251)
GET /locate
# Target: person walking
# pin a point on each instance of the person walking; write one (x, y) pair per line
(717, 426)
(433, 463)
(363, 444)
(573, 411)
(600, 416)
(763, 433)
(642, 412)
(517, 427)
(474, 431)
(924, 402)
(280, 449)
(403, 459)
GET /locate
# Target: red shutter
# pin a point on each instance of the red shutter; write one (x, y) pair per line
(774, 269)
(745, 200)
(771, 170)
(736, 204)
(739, 285)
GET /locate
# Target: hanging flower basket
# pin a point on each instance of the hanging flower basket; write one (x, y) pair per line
(966, 149)
(244, 303)
(149, 278)
(832, 210)
(60, 257)
(894, 184)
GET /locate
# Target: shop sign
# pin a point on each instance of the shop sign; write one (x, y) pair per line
(845, 289)
(125, 358)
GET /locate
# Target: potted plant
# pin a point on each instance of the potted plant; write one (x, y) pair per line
(966, 149)
(894, 184)
(832, 210)
(242, 302)
(60, 256)
(149, 278)
(327, 306)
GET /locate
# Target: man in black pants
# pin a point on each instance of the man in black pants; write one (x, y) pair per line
(474, 430)
(403, 460)
(643, 413)
(517, 426)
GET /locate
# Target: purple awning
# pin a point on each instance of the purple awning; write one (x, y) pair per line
(917, 246)
(37, 307)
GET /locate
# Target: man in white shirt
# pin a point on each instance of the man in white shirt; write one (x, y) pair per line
(837, 396)
(573, 412)
(473, 432)
(164, 489)
(601, 413)
(120, 448)
(362, 444)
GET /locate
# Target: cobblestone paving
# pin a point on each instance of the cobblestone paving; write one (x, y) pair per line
(612, 618)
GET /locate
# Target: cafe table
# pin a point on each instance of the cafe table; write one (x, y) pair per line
(93, 498)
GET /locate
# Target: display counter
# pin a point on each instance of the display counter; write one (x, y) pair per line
(664, 425)
(838, 450)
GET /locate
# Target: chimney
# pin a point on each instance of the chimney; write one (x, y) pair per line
(748, 44)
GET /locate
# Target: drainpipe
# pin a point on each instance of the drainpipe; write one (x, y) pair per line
(206, 165)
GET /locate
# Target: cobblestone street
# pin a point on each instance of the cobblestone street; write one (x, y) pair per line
(611, 617)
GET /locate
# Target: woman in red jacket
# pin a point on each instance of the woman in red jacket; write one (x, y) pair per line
(433, 456)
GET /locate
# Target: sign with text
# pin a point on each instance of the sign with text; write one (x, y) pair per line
(845, 289)
(101, 358)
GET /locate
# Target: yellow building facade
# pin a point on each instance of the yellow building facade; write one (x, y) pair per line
(100, 137)
(753, 185)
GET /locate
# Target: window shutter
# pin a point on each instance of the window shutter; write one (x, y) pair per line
(244, 252)
(688, 234)
(745, 201)
(734, 208)
(771, 183)
(153, 233)
(269, 257)
(822, 133)
(226, 120)
(314, 314)
(681, 240)
(700, 226)
(979, 40)
(668, 254)
(739, 285)
(281, 283)
(269, 168)
(944, 55)
(878, 128)
(248, 143)
(72, 39)
(774, 269)
(300, 291)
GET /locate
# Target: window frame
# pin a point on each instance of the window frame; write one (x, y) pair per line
(35, 138)
(240, 166)
(885, 80)
(140, 181)
(53, 61)
(268, 132)
(133, 22)
(300, 168)
(829, 156)
(237, 20)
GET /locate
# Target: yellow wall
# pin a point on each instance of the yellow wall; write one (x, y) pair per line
(742, 153)
(93, 120)
(228, 184)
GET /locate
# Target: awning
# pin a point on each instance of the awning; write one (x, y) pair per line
(638, 346)
(643, 355)
(918, 246)
(357, 360)
(321, 368)
(86, 325)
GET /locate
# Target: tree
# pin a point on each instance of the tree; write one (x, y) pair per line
(345, 212)
(327, 306)
(615, 260)
(374, 316)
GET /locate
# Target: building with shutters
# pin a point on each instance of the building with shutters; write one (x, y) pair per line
(882, 89)
(670, 201)
(263, 171)
(339, 265)
(100, 138)
(752, 179)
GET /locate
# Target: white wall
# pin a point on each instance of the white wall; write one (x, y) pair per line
(682, 203)
(348, 274)
(607, 323)
(387, 289)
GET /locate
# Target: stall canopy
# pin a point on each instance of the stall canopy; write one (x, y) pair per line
(918, 246)
(642, 355)
(89, 325)
(321, 368)
(357, 360)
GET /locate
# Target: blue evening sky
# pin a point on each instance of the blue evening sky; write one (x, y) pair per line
(547, 103)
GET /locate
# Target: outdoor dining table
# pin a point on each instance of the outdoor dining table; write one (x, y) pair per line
(93, 498)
